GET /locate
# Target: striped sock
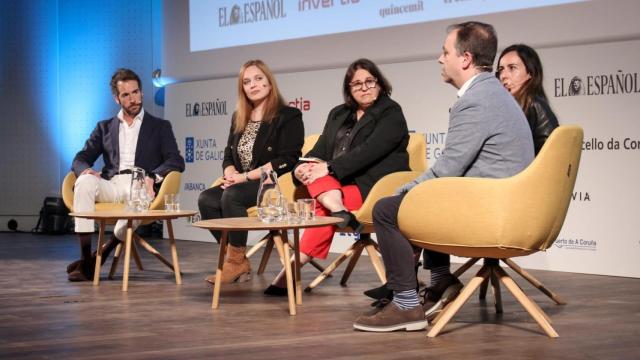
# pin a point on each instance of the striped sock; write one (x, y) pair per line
(438, 274)
(406, 300)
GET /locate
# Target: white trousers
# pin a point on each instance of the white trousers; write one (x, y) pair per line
(90, 189)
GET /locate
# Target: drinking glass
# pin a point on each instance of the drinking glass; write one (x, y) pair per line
(294, 215)
(307, 209)
(171, 202)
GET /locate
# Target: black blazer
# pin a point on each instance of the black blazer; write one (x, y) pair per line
(278, 142)
(378, 144)
(156, 152)
(541, 120)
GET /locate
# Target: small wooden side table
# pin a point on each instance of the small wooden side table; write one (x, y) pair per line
(104, 217)
(279, 232)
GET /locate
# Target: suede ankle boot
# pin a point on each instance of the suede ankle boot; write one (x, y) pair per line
(236, 267)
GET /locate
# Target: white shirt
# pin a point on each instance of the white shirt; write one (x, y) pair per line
(465, 86)
(128, 139)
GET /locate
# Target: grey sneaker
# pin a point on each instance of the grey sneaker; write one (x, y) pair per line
(435, 298)
(392, 318)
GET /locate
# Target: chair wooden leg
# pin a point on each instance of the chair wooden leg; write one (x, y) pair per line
(535, 282)
(116, 259)
(266, 254)
(174, 253)
(257, 246)
(375, 260)
(217, 285)
(497, 296)
(352, 262)
(536, 313)
(317, 265)
(153, 252)
(450, 310)
(459, 271)
(331, 268)
(136, 256)
(482, 295)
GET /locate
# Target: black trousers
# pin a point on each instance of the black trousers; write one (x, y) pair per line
(397, 251)
(217, 203)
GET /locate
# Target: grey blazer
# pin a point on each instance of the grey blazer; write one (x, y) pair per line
(488, 135)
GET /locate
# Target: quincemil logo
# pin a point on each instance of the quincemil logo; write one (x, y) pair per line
(617, 83)
(301, 103)
(251, 12)
(215, 107)
(576, 244)
(202, 149)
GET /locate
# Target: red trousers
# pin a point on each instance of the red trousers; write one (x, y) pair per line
(316, 242)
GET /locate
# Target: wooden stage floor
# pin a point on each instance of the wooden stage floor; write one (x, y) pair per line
(43, 316)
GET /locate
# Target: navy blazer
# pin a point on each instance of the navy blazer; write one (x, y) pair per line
(378, 144)
(156, 152)
(278, 142)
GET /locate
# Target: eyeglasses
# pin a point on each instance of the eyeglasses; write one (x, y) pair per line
(366, 85)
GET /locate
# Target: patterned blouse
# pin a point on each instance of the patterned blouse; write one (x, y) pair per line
(245, 144)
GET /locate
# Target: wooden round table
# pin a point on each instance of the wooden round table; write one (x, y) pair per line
(104, 217)
(279, 233)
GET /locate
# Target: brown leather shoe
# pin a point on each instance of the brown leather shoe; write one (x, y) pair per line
(392, 318)
(236, 267)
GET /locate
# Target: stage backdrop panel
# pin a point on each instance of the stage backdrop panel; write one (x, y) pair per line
(597, 236)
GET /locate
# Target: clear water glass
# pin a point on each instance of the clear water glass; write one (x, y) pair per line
(307, 209)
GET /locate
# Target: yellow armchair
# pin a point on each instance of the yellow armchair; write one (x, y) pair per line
(417, 149)
(496, 218)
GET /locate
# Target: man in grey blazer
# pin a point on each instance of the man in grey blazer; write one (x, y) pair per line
(488, 137)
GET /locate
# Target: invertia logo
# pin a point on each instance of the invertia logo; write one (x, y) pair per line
(301, 103)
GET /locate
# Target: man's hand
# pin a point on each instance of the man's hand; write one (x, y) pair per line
(91, 172)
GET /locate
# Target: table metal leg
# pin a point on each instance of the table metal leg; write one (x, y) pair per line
(216, 286)
(174, 253)
(127, 255)
(96, 271)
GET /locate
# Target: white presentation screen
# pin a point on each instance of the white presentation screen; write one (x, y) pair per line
(216, 24)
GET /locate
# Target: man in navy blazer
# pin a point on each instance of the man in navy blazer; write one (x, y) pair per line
(488, 137)
(131, 138)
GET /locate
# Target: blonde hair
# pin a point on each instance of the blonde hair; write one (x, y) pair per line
(273, 102)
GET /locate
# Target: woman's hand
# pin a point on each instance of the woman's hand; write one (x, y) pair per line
(301, 170)
(230, 176)
(314, 172)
